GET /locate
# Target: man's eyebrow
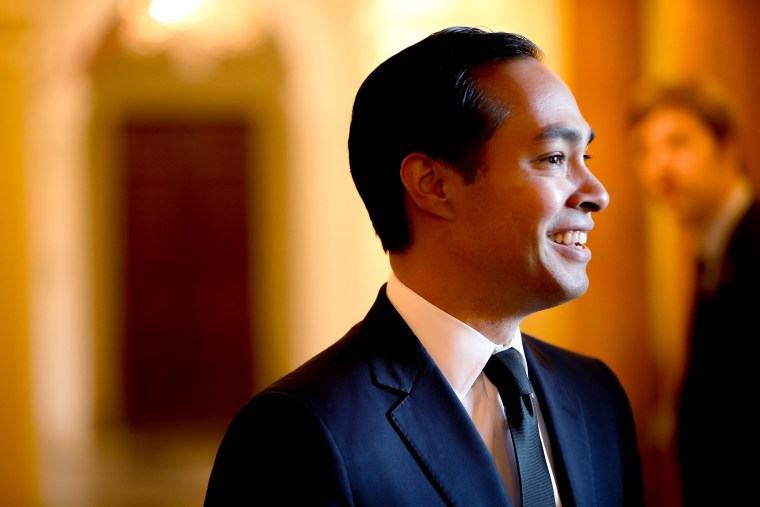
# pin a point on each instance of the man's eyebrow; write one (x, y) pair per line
(569, 134)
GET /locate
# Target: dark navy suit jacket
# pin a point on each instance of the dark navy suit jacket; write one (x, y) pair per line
(722, 374)
(371, 421)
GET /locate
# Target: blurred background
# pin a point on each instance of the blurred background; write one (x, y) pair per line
(179, 226)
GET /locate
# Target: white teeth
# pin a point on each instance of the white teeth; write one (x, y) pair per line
(576, 238)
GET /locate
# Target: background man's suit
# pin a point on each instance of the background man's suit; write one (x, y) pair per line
(372, 421)
(722, 372)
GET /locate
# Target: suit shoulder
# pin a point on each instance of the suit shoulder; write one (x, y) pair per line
(545, 351)
(574, 367)
(340, 359)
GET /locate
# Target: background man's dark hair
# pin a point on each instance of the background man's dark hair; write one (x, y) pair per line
(705, 100)
(425, 99)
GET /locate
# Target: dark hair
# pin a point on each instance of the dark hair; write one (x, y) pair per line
(702, 98)
(425, 99)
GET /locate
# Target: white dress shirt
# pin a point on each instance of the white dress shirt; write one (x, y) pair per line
(461, 353)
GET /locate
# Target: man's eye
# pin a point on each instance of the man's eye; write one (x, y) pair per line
(555, 159)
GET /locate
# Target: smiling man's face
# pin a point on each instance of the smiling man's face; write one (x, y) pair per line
(680, 163)
(524, 223)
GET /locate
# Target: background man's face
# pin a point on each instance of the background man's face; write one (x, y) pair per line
(680, 163)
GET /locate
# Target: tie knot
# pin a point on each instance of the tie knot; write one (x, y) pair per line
(505, 369)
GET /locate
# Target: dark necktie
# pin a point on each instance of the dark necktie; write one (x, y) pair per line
(505, 369)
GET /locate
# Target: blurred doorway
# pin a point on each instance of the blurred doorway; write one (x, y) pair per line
(187, 344)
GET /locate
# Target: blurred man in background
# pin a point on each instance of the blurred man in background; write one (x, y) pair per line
(687, 154)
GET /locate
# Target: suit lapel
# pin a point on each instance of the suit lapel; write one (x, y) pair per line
(569, 437)
(451, 450)
(429, 417)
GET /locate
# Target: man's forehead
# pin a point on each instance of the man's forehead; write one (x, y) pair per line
(672, 114)
(537, 101)
(666, 121)
(509, 79)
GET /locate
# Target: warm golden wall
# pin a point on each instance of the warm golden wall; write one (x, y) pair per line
(17, 460)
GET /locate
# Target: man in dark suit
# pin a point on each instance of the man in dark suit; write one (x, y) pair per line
(470, 156)
(687, 153)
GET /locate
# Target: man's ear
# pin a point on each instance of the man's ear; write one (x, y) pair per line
(428, 183)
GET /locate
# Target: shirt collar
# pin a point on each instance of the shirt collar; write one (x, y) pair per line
(715, 238)
(717, 232)
(460, 351)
